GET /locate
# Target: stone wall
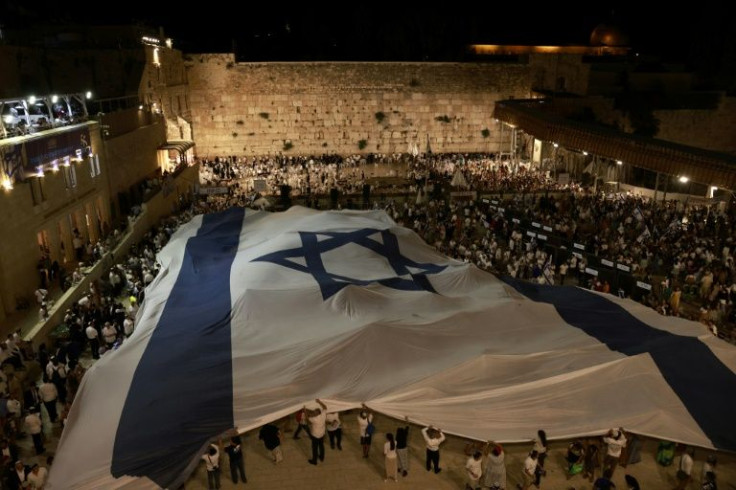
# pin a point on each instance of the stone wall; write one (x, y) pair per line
(706, 128)
(328, 107)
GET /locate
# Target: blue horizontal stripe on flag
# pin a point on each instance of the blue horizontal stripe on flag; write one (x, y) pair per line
(705, 385)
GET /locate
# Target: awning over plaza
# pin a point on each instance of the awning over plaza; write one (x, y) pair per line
(179, 145)
(703, 166)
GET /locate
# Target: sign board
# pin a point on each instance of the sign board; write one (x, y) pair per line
(462, 194)
(607, 262)
(644, 285)
(577, 255)
(494, 202)
(531, 234)
(578, 246)
(514, 220)
(485, 201)
(592, 272)
(536, 225)
(547, 228)
(42, 151)
(211, 191)
(623, 267)
(259, 185)
(541, 237)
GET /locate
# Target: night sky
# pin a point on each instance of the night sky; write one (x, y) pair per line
(384, 31)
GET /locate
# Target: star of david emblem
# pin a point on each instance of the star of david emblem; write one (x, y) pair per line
(408, 274)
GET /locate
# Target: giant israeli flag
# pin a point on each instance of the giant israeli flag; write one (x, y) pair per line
(255, 314)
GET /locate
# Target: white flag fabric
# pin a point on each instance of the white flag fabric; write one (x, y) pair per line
(255, 314)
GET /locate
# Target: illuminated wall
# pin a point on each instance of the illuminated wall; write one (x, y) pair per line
(262, 108)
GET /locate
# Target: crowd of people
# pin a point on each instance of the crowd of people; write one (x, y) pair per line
(37, 386)
(593, 460)
(685, 251)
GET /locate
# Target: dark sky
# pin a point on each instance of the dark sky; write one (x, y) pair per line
(370, 30)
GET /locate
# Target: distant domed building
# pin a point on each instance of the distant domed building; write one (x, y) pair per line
(608, 35)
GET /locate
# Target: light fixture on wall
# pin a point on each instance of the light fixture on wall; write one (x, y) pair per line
(684, 179)
(619, 162)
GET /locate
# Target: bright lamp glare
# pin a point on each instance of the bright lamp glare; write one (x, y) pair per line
(684, 179)
(585, 153)
(619, 162)
(88, 94)
(555, 145)
(32, 99)
(54, 99)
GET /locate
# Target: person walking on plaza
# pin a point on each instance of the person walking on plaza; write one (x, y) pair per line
(317, 426)
(271, 437)
(591, 461)
(615, 442)
(301, 423)
(402, 448)
(494, 475)
(433, 437)
(540, 446)
(49, 394)
(234, 451)
(389, 451)
(34, 426)
(685, 469)
(334, 430)
(529, 473)
(212, 463)
(474, 470)
(93, 339)
(366, 428)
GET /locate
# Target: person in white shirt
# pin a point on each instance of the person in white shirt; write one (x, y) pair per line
(433, 437)
(94, 344)
(389, 452)
(128, 325)
(37, 477)
(530, 469)
(365, 419)
(212, 463)
(48, 393)
(474, 469)
(41, 295)
(317, 420)
(685, 470)
(334, 429)
(34, 426)
(615, 442)
(109, 334)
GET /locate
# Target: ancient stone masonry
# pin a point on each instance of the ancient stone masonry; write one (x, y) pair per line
(330, 107)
